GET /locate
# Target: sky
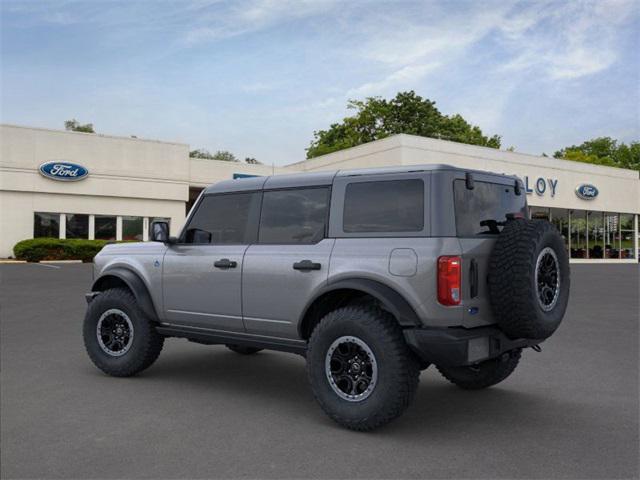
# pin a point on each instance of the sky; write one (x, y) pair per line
(258, 77)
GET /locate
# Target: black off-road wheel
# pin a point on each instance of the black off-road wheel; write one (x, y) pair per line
(485, 374)
(529, 279)
(119, 338)
(360, 369)
(242, 350)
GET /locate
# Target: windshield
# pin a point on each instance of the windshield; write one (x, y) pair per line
(483, 210)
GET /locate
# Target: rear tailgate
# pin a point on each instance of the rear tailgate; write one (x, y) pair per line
(475, 289)
(482, 204)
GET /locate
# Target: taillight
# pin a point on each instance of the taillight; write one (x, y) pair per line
(449, 281)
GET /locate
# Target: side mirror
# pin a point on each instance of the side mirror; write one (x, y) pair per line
(159, 231)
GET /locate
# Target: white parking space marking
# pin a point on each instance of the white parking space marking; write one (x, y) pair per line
(46, 265)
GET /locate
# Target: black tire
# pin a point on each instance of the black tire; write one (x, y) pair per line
(484, 374)
(146, 342)
(242, 350)
(397, 368)
(522, 307)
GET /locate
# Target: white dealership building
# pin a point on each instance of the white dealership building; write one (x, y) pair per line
(78, 185)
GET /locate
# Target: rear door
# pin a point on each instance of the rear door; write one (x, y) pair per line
(479, 213)
(289, 261)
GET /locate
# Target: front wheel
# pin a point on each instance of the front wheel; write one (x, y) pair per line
(119, 338)
(361, 371)
(485, 374)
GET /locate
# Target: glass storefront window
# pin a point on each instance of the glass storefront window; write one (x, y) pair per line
(595, 227)
(132, 228)
(578, 229)
(626, 236)
(611, 235)
(560, 220)
(105, 227)
(77, 226)
(46, 225)
(540, 213)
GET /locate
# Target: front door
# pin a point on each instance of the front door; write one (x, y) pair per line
(202, 274)
(289, 262)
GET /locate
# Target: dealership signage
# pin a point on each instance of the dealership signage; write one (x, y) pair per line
(541, 185)
(586, 191)
(243, 175)
(63, 171)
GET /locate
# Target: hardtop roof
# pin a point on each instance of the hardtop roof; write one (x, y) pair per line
(311, 179)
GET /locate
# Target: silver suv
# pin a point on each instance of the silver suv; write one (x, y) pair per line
(372, 275)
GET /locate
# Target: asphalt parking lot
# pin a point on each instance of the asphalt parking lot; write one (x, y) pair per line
(201, 411)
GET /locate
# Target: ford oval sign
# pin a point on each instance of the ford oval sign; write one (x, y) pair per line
(63, 171)
(586, 191)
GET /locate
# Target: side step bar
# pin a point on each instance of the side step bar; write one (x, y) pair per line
(215, 337)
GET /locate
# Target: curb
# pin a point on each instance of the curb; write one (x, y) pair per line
(60, 261)
(8, 261)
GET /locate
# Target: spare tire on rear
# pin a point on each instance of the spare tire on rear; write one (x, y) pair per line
(529, 279)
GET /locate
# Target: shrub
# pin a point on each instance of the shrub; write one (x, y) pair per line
(36, 249)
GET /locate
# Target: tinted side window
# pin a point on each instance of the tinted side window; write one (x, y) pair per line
(488, 203)
(294, 216)
(384, 206)
(224, 219)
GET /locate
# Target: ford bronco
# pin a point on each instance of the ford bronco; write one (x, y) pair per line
(372, 275)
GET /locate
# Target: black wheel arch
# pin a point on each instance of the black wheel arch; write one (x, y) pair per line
(121, 277)
(388, 298)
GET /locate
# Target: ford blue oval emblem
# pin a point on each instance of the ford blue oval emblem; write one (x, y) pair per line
(586, 191)
(64, 171)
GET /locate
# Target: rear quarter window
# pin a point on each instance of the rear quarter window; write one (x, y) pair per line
(384, 206)
(481, 210)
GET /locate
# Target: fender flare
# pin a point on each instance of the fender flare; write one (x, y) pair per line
(135, 284)
(390, 299)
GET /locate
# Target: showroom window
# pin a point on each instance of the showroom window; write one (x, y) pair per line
(595, 234)
(160, 219)
(46, 225)
(560, 220)
(132, 228)
(77, 226)
(578, 220)
(626, 236)
(539, 213)
(105, 227)
(611, 235)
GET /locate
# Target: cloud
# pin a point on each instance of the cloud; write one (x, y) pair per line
(568, 40)
(240, 18)
(400, 79)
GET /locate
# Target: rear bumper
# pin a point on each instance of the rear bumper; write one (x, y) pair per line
(452, 347)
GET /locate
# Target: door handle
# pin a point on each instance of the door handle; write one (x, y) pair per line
(306, 265)
(225, 263)
(473, 278)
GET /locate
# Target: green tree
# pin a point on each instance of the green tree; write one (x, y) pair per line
(225, 156)
(252, 161)
(219, 155)
(201, 153)
(604, 151)
(74, 126)
(377, 118)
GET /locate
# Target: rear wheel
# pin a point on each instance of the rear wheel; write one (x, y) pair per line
(119, 338)
(242, 350)
(361, 371)
(485, 374)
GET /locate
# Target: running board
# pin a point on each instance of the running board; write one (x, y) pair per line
(216, 337)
